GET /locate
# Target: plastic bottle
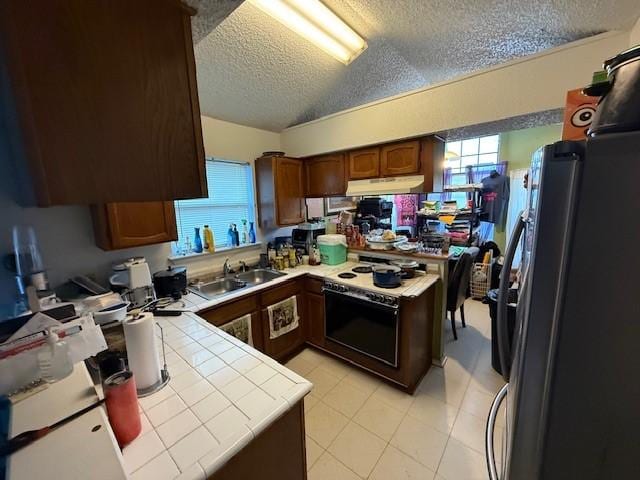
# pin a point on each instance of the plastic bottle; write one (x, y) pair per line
(197, 241)
(252, 233)
(231, 239)
(53, 359)
(245, 233)
(209, 240)
(236, 235)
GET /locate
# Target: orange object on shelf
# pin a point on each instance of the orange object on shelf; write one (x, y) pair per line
(578, 113)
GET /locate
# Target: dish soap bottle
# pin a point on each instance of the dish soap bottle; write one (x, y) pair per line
(197, 241)
(252, 233)
(209, 240)
(53, 359)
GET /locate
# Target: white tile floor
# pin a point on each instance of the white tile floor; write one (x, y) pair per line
(360, 428)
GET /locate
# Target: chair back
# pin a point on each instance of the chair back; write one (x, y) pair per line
(459, 279)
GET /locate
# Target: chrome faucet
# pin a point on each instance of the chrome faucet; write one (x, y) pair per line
(243, 266)
(226, 269)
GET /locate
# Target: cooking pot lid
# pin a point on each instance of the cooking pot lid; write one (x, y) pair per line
(405, 263)
(171, 271)
(386, 269)
(614, 62)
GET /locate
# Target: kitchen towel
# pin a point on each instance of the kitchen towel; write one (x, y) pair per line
(142, 349)
(240, 328)
(283, 317)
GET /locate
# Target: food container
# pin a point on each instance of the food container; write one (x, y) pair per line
(617, 110)
(333, 249)
(407, 267)
(386, 276)
(114, 313)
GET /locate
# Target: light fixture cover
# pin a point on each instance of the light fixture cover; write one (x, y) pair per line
(312, 20)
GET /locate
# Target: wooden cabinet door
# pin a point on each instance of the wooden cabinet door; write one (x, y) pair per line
(315, 319)
(288, 343)
(400, 159)
(325, 175)
(364, 163)
(105, 100)
(126, 225)
(223, 314)
(289, 191)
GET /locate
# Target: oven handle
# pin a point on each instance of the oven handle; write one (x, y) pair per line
(395, 308)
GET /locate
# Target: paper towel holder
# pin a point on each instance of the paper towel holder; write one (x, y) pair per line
(164, 373)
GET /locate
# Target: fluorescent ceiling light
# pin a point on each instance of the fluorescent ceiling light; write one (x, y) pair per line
(315, 22)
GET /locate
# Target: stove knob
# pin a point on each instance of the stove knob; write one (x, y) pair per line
(343, 288)
(389, 300)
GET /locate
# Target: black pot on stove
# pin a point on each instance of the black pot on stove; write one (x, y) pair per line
(387, 276)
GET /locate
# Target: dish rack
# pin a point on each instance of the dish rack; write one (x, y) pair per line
(480, 281)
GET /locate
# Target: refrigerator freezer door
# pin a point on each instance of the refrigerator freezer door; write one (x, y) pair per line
(554, 182)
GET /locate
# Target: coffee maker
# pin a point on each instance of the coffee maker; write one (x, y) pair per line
(132, 280)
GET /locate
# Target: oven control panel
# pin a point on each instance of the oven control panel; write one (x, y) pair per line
(362, 294)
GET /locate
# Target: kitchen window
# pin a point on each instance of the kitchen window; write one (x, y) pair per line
(230, 199)
(468, 153)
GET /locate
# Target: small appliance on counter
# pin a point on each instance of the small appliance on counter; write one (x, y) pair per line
(171, 282)
(132, 280)
(375, 212)
(306, 234)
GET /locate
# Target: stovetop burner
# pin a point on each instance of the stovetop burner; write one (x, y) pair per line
(347, 275)
(363, 269)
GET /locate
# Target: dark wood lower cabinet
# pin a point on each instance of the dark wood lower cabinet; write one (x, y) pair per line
(278, 453)
(315, 312)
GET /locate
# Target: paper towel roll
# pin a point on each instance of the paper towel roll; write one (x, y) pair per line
(142, 350)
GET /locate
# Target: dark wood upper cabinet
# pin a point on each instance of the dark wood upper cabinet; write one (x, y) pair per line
(325, 175)
(400, 158)
(364, 163)
(102, 100)
(280, 191)
(126, 225)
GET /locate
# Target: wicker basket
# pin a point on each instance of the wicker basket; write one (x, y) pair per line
(480, 281)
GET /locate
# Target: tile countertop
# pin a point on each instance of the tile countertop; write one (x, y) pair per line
(411, 288)
(222, 394)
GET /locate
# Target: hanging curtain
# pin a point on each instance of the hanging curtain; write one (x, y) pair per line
(517, 203)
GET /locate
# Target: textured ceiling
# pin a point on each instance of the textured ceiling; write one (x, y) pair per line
(254, 71)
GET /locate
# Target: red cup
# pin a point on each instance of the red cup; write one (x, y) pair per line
(121, 399)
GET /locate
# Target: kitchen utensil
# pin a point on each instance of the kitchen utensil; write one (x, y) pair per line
(122, 406)
(27, 438)
(132, 279)
(171, 282)
(617, 110)
(386, 276)
(407, 267)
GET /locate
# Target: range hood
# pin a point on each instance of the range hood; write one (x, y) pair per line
(386, 186)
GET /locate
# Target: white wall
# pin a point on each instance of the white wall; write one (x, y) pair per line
(634, 35)
(66, 234)
(532, 84)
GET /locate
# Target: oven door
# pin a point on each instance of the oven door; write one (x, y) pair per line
(368, 327)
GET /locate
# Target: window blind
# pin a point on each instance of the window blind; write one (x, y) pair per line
(230, 200)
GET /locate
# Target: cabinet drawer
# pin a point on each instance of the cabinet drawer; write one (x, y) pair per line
(279, 293)
(222, 314)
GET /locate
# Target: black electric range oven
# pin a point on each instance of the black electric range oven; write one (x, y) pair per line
(362, 320)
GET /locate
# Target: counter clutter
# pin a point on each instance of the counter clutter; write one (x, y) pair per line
(222, 394)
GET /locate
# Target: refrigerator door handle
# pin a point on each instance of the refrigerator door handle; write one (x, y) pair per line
(504, 346)
(489, 431)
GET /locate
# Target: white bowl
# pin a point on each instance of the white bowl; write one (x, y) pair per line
(112, 314)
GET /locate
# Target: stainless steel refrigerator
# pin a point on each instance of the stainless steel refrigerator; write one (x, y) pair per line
(573, 367)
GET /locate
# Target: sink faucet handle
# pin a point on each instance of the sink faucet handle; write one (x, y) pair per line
(243, 266)
(226, 269)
